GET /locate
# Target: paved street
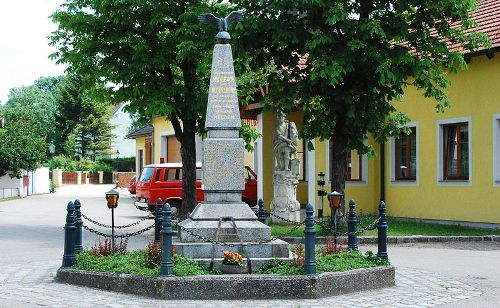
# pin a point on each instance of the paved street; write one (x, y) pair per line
(31, 242)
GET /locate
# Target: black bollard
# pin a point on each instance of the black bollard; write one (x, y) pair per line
(78, 224)
(310, 234)
(166, 265)
(262, 214)
(158, 219)
(352, 238)
(382, 231)
(69, 237)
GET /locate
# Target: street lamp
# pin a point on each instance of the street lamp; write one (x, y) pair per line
(112, 197)
(335, 199)
(117, 153)
(321, 193)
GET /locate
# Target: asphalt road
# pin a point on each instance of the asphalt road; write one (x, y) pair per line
(31, 233)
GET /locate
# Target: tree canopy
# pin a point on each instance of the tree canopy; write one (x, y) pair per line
(154, 54)
(344, 63)
(28, 125)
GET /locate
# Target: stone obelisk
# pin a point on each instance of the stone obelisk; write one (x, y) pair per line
(223, 170)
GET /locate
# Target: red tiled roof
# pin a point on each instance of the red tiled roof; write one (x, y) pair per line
(487, 17)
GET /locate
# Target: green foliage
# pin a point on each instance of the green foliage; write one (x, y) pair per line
(130, 263)
(339, 262)
(158, 54)
(69, 164)
(28, 127)
(249, 135)
(187, 267)
(134, 263)
(120, 164)
(346, 64)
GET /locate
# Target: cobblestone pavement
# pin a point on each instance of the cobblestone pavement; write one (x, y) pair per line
(32, 285)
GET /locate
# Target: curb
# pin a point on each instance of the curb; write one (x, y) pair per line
(401, 239)
(224, 287)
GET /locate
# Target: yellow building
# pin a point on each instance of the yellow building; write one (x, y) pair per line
(447, 169)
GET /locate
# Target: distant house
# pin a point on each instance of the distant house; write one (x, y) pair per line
(121, 145)
(143, 146)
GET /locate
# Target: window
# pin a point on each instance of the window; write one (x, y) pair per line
(301, 145)
(456, 151)
(405, 167)
(496, 149)
(173, 174)
(146, 174)
(354, 167)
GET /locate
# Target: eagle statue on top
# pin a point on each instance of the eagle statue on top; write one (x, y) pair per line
(223, 36)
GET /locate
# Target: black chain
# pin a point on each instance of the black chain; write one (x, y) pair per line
(205, 239)
(116, 227)
(287, 220)
(118, 236)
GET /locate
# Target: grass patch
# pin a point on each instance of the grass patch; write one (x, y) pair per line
(397, 227)
(134, 263)
(339, 262)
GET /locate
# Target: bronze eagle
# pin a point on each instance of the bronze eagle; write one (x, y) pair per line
(222, 24)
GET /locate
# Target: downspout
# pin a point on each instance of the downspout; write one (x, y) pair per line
(382, 171)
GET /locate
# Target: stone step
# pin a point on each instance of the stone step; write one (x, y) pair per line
(274, 249)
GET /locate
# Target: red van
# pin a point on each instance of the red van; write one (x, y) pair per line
(165, 181)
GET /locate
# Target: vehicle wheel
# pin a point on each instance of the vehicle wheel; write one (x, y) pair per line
(177, 204)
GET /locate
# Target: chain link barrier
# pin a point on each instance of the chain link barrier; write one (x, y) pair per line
(116, 227)
(327, 227)
(122, 236)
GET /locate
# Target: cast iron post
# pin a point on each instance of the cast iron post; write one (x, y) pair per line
(382, 231)
(78, 224)
(262, 214)
(310, 234)
(158, 219)
(352, 238)
(69, 237)
(166, 266)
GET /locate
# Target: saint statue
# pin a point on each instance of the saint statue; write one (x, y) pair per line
(285, 140)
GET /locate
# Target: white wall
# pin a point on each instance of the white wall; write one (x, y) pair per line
(125, 146)
(9, 187)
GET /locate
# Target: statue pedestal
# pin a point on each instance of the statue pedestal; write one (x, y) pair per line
(284, 203)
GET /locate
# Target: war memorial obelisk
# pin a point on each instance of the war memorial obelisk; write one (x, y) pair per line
(223, 168)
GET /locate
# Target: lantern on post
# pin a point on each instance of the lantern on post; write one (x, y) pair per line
(112, 197)
(335, 199)
(321, 193)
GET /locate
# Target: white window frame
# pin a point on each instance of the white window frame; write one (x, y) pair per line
(392, 159)
(440, 164)
(496, 150)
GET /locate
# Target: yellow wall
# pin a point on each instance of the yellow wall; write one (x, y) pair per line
(366, 196)
(475, 93)
(160, 124)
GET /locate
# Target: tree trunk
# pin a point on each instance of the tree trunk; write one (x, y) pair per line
(188, 154)
(338, 162)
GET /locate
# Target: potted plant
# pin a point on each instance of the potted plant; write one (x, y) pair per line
(232, 263)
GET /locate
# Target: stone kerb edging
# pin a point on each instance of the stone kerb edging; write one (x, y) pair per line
(235, 286)
(402, 239)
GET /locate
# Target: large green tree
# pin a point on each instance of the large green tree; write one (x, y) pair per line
(345, 62)
(154, 54)
(28, 127)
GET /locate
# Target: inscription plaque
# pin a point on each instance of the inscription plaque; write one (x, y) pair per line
(223, 109)
(223, 164)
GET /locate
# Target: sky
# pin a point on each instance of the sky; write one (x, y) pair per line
(24, 49)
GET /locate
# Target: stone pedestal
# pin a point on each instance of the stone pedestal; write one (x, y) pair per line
(284, 203)
(223, 180)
